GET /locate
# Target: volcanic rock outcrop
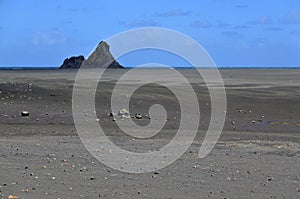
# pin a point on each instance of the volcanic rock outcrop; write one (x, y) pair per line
(100, 58)
(73, 62)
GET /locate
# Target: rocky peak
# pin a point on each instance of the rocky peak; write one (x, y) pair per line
(100, 58)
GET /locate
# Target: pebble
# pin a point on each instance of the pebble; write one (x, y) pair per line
(12, 197)
(138, 116)
(25, 113)
(123, 113)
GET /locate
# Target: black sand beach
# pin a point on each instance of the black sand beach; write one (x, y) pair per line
(257, 155)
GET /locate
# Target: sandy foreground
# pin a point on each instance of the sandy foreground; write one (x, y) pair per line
(257, 155)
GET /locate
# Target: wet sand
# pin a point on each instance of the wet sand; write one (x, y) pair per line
(257, 155)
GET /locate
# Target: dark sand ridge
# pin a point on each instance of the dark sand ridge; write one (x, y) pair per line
(258, 154)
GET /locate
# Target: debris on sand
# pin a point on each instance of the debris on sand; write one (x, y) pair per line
(12, 197)
(233, 122)
(138, 116)
(25, 113)
(123, 113)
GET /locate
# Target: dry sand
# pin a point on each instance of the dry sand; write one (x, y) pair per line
(257, 156)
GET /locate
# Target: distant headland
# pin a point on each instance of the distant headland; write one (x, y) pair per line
(100, 58)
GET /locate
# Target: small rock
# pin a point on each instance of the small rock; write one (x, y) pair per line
(233, 122)
(124, 113)
(138, 116)
(25, 113)
(270, 179)
(12, 197)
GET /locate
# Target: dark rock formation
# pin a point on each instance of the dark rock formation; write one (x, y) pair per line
(72, 62)
(100, 58)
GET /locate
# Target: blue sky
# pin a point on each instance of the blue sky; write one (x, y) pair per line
(234, 32)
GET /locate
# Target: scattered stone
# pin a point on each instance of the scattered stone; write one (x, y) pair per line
(25, 113)
(270, 179)
(233, 122)
(12, 197)
(253, 121)
(138, 116)
(124, 113)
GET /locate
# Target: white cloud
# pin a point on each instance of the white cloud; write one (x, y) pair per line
(263, 20)
(140, 23)
(292, 18)
(48, 38)
(173, 13)
(201, 24)
(233, 34)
